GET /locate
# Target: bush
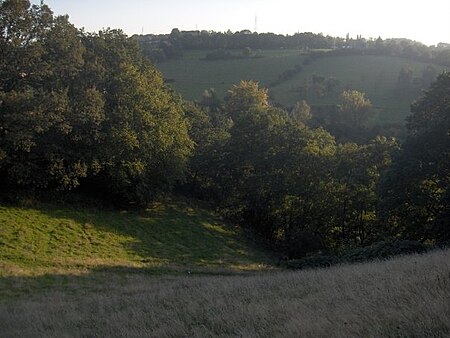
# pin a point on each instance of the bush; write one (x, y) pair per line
(379, 250)
(383, 250)
(286, 75)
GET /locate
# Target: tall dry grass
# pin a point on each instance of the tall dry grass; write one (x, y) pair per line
(405, 297)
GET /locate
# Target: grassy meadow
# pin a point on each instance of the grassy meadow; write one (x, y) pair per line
(170, 236)
(404, 297)
(193, 75)
(375, 75)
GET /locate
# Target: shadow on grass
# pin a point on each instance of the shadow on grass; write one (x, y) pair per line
(165, 234)
(98, 279)
(79, 246)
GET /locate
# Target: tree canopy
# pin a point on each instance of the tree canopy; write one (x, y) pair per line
(416, 190)
(75, 105)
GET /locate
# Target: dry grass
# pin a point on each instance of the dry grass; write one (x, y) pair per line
(404, 297)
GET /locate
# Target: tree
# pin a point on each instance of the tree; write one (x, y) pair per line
(211, 100)
(357, 171)
(353, 113)
(354, 108)
(43, 55)
(416, 195)
(301, 113)
(78, 107)
(209, 130)
(246, 97)
(277, 173)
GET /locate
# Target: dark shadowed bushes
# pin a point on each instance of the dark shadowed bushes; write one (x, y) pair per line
(377, 251)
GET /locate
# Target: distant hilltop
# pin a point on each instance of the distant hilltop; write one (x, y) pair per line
(161, 47)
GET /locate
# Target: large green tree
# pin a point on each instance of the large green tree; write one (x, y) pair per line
(356, 173)
(416, 194)
(42, 56)
(146, 143)
(78, 107)
(209, 130)
(349, 120)
(354, 109)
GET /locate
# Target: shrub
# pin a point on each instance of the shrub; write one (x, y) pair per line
(379, 250)
(383, 250)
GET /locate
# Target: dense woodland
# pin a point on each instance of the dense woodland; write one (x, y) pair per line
(87, 112)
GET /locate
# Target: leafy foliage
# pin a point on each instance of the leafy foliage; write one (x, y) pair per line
(377, 251)
(383, 250)
(290, 183)
(416, 189)
(78, 107)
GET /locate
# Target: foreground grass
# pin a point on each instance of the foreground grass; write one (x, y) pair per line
(170, 236)
(404, 297)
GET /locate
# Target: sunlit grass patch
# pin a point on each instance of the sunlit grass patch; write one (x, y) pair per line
(50, 239)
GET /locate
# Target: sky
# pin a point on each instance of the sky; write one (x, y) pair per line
(424, 21)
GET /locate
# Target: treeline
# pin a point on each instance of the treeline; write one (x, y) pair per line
(88, 112)
(169, 46)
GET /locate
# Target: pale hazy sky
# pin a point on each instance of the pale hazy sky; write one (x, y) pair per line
(424, 21)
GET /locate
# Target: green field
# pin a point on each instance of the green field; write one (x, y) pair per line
(193, 75)
(170, 236)
(375, 75)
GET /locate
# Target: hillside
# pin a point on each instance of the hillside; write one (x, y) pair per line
(170, 236)
(192, 75)
(405, 297)
(377, 76)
